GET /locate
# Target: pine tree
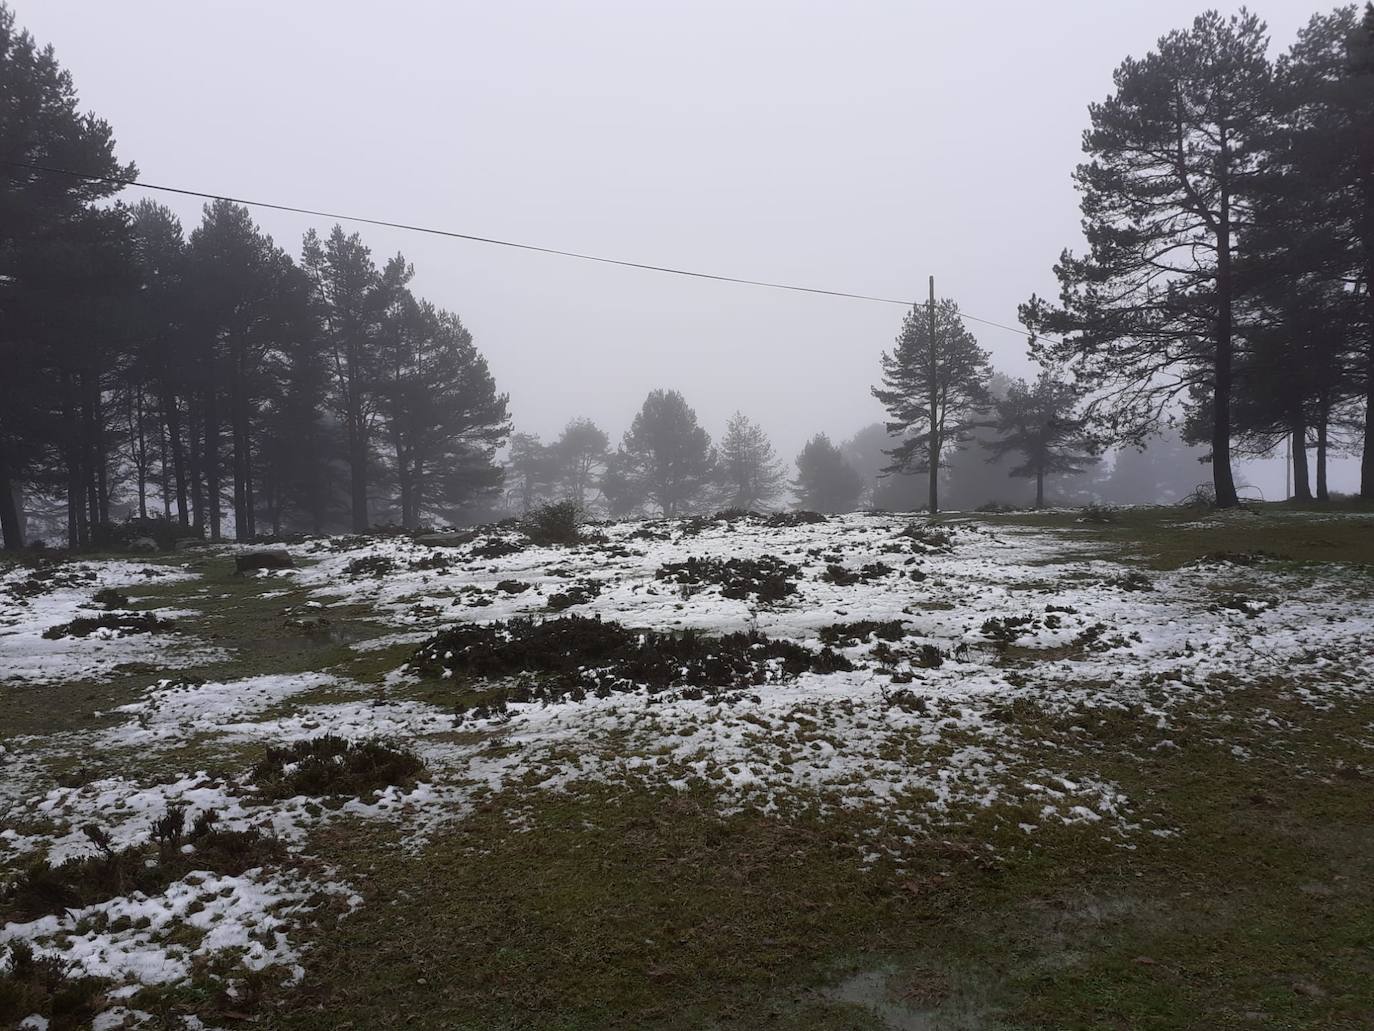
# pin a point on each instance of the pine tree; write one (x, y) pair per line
(934, 391)
(530, 473)
(1040, 423)
(444, 417)
(825, 481)
(751, 475)
(1149, 311)
(353, 297)
(669, 455)
(580, 454)
(40, 217)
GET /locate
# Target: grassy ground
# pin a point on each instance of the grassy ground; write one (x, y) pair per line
(635, 907)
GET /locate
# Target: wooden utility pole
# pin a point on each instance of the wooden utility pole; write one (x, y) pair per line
(932, 503)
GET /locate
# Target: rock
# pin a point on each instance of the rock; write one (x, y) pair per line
(275, 559)
(143, 544)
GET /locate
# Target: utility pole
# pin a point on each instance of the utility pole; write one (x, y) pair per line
(932, 504)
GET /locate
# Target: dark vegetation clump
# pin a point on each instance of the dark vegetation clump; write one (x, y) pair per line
(1238, 558)
(122, 623)
(44, 985)
(370, 565)
(767, 578)
(927, 539)
(784, 520)
(905, 699)
(572, 656)
(839, 575)
(512, 586)
(110, 598)
(846, 635)
(728, 516)
(330, 765)
(1135, 581)
(928, 656)
(1099, 514)
(577, 594)
(276, 558)
(653, 530)
(48, 577)
(497, 547)
(1248, 607)
(170, 852)
(1005, 629)
(558, 523)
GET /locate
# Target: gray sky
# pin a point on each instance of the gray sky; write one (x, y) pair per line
(855, 146)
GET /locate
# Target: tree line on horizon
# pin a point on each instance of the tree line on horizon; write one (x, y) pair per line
(211, 378)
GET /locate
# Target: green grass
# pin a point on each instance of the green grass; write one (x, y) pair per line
(634, 906)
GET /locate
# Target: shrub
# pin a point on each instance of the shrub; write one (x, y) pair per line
(767, 578)
(572, 656)
(846, 635)
(330, 765)
(121, 623)
(782, 520)
(1134, 581)
(111, 598)
(170, 851)
(577, 594)
(43, 985)
(554, 524)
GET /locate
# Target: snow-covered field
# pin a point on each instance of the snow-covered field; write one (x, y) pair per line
(925, 731)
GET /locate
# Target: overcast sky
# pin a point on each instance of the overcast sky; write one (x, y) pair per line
(854, 145)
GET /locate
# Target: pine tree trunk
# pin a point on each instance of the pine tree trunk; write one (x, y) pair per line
(171, 417)
(1323, 419)
(194, 432)
(211, 462)
(1302, 488)
(1223, 481)
(1367, 456)
(11, 527)
(1040, 488)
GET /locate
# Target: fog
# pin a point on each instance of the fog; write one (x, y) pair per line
(857, 147)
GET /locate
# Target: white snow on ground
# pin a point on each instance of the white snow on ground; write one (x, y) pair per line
(27, 657)
(918, 746)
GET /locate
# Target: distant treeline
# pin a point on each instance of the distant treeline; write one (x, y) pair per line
(212, 378)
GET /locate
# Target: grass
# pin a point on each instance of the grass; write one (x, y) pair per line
(629, 907)
(1169, 537)
(635, 906)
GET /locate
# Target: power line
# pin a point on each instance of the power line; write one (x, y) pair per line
(430, 230)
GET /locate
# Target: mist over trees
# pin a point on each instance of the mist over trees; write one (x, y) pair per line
(1228, 203)
(825, 481)
(206, 380)
(211, 378)
(935, 388)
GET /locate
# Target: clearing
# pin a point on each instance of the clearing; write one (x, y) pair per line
(866, 771)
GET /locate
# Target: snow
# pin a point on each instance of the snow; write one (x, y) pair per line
(26, 657)
(1080, 643)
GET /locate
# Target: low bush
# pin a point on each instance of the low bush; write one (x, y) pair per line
(330, 765)
(846, 635)
(170, 852)
(766, 578)
(558, 523)
(121, 623)
(782, 520)
(43, 986)
(110, 598)
(572, 656)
